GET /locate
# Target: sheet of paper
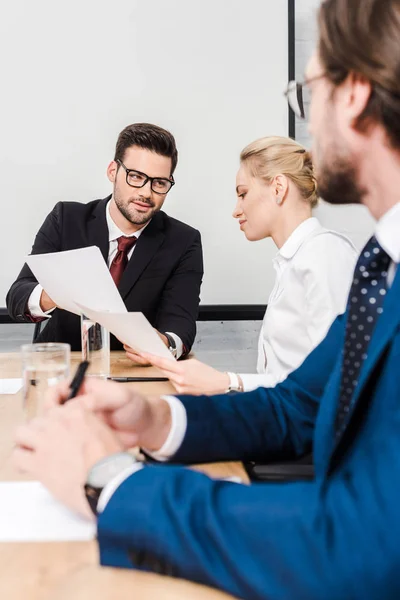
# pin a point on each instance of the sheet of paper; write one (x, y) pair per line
(10, 386)
(132, 329)
(77, 276)
(28, 513)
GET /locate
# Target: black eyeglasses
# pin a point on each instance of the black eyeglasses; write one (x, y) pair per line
(137, 179)
(297, 95)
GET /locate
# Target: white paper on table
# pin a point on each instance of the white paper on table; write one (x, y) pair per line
(77, 276)
(28, 513)
(132, 329)
(10, 386)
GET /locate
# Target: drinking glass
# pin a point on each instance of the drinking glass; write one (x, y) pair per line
(95, 347)
(43, 365)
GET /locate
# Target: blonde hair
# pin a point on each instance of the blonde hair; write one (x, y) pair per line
(272, 156)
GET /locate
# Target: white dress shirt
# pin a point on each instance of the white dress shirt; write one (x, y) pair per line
(114, 233)
(387, 233)
(314, 269)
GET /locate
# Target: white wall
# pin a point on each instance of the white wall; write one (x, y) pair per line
(75, 73)
(354, 221)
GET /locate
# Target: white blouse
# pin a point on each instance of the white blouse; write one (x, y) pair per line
(314, 271)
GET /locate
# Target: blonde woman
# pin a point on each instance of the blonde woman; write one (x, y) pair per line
(276, 192)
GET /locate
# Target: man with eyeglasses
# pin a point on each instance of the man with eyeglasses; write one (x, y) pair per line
(155, 260)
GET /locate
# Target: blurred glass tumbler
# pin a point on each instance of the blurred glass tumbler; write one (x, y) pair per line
(95, 347)
(43, 365)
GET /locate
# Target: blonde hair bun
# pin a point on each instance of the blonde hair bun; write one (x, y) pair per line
(272, 156)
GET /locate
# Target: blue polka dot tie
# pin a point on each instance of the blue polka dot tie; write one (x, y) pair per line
(364, 307)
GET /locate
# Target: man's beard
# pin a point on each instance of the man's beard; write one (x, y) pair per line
(132, 215)
(338, 182)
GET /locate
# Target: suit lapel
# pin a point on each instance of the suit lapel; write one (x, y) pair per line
(385, 327)
(97, 228)
(147, 245)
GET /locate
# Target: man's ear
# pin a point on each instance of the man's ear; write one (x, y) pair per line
(355, 93)
(112, 171)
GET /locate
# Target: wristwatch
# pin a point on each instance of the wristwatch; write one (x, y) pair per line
(102, 473)
(171, 344)
(234, 383)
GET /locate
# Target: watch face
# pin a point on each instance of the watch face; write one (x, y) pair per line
(105, 470)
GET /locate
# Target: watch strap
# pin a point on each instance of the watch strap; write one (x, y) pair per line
(171, 343)
(92, 496)
(234, 383)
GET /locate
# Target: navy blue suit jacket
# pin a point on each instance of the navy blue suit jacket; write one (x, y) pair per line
(337, 537)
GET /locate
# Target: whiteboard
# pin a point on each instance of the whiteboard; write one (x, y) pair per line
(76, 73)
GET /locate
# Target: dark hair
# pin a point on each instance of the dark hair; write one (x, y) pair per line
(363, 37)
(150, 137)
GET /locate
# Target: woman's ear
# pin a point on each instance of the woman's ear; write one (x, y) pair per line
(280, 188)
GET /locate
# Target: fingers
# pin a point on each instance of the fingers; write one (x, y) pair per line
(137, 359)
(165, 364)
(104, 395)
(98, 396)
(28, 435)
(130, 350)
(56, 395)
(171, 368)
(23, 460)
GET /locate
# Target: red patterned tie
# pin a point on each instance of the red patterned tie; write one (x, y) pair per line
(125, 244)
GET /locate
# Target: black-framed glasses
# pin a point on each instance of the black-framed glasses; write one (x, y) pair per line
(298, 95)
(137, 179)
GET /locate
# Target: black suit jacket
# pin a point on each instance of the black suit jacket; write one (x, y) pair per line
(162, 278)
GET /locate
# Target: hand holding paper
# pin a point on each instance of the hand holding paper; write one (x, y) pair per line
(77, 276)
(80, 282)
(132, 329)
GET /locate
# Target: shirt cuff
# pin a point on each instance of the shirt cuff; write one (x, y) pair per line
(253, 381)
(112, 485)
(34, 304)
(177, 431)
(178, 343)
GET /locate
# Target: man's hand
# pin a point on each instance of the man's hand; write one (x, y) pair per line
(135, 357)
(135, 419)
(46, 303)
(138, 358)
(191, 376)
(60, 448)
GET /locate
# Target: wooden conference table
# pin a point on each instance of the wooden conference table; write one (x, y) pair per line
(70, 570)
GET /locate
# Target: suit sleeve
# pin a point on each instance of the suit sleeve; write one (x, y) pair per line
(265, 424)
(300, 541)
(48, 239)
(179, 303)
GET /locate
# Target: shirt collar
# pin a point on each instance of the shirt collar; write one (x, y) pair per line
(388, 232)
(297, 237)
(114, 231)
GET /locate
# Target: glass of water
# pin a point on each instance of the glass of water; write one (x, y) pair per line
(95, 347)
(43, 365)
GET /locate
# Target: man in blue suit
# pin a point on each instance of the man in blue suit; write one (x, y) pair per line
(335, 537)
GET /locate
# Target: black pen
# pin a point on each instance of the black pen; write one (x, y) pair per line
(137, 379)
(77, 380)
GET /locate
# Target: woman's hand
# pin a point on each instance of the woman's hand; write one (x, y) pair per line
(191, 376)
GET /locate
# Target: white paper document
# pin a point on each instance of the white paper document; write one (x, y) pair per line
(28, 513)
(77, 276)
(10, 386)
(132, 329)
